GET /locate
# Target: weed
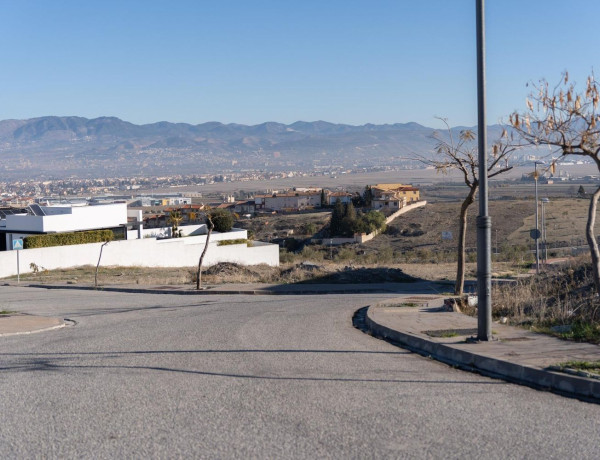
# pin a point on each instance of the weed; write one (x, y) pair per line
(593, 366)
(449, 334)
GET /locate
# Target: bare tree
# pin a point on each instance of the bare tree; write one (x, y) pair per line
(98, 264)
(210, 226)
(569, 121)
(461, 155)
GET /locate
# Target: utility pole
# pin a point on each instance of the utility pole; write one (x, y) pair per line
(537, 222)
(484, 221)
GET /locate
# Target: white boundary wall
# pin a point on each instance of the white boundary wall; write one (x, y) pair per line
(147, 252)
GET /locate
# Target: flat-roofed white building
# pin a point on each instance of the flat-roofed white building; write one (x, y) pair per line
(62, 219)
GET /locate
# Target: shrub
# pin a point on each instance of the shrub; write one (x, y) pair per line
(286, 257)
(309, 253)
(222, 220)
(369, 222)
(309, 228)
(292, 244)
(345, 254)
(67, 239)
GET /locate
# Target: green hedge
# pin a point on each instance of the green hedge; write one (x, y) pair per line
(66, 239)
(228, 242)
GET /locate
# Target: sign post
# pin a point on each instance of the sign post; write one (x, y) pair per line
(17, 245)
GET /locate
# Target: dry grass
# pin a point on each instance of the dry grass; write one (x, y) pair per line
(563, 296)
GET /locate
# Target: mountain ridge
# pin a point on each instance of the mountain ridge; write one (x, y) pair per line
(109, 146)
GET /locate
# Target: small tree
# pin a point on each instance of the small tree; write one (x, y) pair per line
(323, 198)
(461, 154)
(98, 264)
(175, 219)
(210, 226)
(369, 222)
(337, 215)
(368, 196)
(569, 121)
(349, 220)
(581, 192)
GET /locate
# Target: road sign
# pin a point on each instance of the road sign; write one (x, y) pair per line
(18, 243)
(535, 234)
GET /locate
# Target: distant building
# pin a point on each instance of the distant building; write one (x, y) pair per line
(245, 207)
(292, 201)
(393, 196)
(332, 197)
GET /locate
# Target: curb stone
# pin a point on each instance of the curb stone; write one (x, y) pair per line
(538, 378)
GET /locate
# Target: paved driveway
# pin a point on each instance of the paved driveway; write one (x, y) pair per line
(260, 376)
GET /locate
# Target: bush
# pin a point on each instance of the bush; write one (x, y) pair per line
(309, 228)
(369, 222)
(292, 244)
(222, 220)
(229, 242)
(67, 239)
(345, 254)
(309, 253)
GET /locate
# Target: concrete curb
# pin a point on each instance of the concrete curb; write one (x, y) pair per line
(538, 378)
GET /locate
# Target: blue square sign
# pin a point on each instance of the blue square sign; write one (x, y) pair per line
(18, 243)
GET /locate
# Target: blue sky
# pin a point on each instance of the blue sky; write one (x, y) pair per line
(249, 61)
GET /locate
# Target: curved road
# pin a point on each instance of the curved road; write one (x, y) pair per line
(255, 376)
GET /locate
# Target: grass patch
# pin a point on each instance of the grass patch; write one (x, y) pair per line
(449, 334)
(581, 368)
(6, 312)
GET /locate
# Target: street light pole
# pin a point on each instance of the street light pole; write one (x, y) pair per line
(537, 226)
(544, 201)
(484, 222)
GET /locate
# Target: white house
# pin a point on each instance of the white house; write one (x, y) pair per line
(288, 201)
(147, 248)
(61, 219)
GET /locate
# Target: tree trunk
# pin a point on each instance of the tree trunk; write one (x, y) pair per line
(591, 238)
(462, 237)
(98, 265)
(210, 227)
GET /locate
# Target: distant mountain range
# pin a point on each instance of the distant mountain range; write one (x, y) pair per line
(109, 147)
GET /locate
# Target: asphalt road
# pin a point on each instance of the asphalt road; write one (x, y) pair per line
(255, 376)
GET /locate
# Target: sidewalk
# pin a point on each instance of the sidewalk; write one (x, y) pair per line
(19, 323)
(518, 355)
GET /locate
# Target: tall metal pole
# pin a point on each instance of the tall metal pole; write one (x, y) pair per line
(484, 222)
(537, 227)
(544, 202)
